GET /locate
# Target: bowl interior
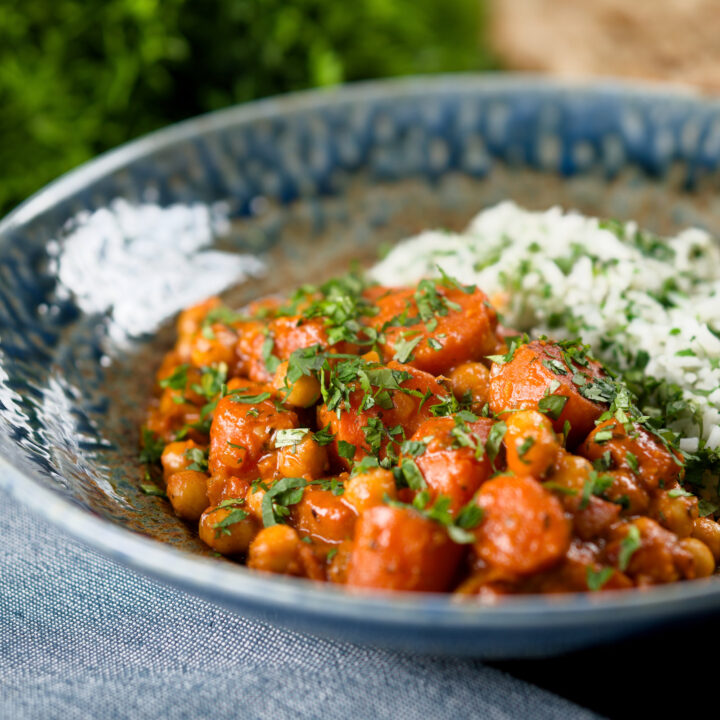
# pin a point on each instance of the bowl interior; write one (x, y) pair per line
(262, 198)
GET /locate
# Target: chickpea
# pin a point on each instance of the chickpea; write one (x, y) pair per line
(627, 490)
(531, 443)
(189, 323)
(472, 377)
(187, 492)
(305, 459)
(232, 539)
(253, 501)
(371, 356)
(677, 514)
(703, 560)
(216, 346)
(338, 566)
(368, 489)
(173, 457)
(304, 392)
(191, 319)
(571, 472)
(276, 549)
(708, 531)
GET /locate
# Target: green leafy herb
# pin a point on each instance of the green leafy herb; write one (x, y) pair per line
(271, 361)
(552, 405)
(236, 515)
(596, 579)
(293, 436)
(324, 436)
(250, 399)
(414, 448)
(404, 349)
(198, 459)
(177, 380)
(412, 475)
(632, 462)
(152, 489)
(276, 501)
(152, 447)
(525, 446)
(630, 543)
(679, 492)
(596, 484)
(346, 450)
(494, 440)
(603, 436)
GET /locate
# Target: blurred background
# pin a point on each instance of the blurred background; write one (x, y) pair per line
(80, 76)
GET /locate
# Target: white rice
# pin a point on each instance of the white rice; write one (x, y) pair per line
(607, 290)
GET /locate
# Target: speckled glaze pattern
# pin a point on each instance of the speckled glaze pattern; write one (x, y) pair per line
(260, 198)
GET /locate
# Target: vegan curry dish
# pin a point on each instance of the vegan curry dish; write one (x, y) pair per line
(402, 438)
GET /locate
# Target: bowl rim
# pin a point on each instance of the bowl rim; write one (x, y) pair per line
(234, 584)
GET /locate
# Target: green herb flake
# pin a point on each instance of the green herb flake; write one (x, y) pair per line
(290, 437)
(153, 490)
(679, 492)
(494, 440)
(404, 349)
(152, 447)
(596, 579)
(250, 399)
(629, 544)
(632, 461)
(346, 450)
(524, 447)
(412, 475)
(552, 405)
(558, 488)
(324, 436)
(178, 379)
(603, 436)
(198, 459)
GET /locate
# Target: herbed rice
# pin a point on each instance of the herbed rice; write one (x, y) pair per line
(648, 306)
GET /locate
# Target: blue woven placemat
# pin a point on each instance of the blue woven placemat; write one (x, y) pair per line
(83, 637)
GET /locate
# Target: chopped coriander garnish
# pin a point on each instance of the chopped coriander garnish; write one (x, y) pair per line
(293, 436)
(404, 349)
(412, 476)
(153, 489)
(250, 399)
(413, 448)
(629, 544)
(198, 459)
(152, 447)
(632, 462)
(679, 492)
(324, 436)
(495, 438)
(596, 579)
(346, 450)
(552, 405)
(177, 380)
(525, 446)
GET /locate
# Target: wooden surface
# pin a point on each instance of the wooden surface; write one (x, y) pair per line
(676, 41)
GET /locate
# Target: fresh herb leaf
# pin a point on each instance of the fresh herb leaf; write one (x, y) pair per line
(552, 405)
(346, 450)
(596, 579)
(292, 436)
(629, 544)
(404, 349)
(152, 489)
(152, 447)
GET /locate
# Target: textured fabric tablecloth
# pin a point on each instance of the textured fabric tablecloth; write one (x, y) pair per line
(82, 637)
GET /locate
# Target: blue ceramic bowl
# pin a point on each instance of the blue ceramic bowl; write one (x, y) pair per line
(263, 197)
